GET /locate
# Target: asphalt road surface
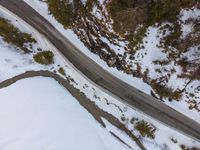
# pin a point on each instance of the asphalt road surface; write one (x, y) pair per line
(123, 91)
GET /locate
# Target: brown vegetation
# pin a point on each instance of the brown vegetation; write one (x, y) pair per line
(14, 36)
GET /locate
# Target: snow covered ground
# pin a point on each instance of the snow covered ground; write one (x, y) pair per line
(144, 57)
(13, 63)
(34, 120)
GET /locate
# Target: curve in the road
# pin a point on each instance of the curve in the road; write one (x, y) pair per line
(126, 93)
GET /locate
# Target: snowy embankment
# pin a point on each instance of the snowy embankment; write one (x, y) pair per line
(13, 63)
(31, 119)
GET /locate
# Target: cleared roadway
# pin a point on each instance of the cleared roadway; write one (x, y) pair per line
(126, 93)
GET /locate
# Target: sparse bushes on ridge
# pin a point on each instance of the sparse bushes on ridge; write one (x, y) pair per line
(166, 92)
(165, 10)
(66, 12)
(44, 58)
(14, 36)
(62, 10)
(129, 14)
(62, 71)
(145, 129)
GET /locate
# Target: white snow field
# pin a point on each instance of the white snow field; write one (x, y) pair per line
(39, 114)
(13, 62)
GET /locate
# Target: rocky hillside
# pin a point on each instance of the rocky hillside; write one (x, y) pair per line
(156, 40)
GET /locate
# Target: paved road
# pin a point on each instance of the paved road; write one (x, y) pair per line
(102, 78)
